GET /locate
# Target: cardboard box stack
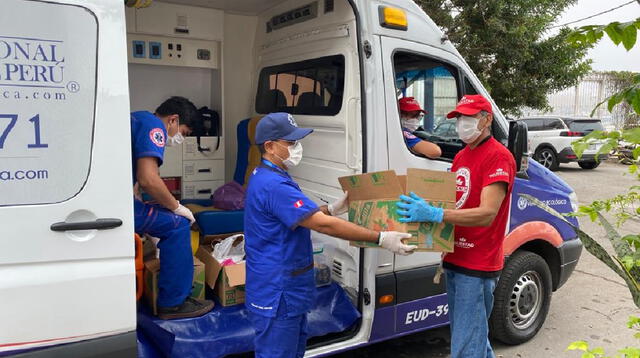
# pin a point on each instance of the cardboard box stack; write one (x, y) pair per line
(151, 272)
(226, 281)
(373, 198)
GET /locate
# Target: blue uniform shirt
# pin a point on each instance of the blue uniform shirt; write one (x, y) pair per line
(411, 139)
(148, 138)
(279, 252)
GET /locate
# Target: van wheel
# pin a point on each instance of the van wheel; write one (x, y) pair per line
(547, 157)
(522, 298)
(591, 164)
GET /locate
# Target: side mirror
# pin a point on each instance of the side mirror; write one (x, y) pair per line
(519, 145)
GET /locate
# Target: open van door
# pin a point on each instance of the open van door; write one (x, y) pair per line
(66, 239)
(410, 72)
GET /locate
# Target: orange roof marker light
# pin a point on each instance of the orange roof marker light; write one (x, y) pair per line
(393, 18)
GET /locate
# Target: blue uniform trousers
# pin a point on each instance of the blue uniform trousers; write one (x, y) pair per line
(281, 336)
(176, 259)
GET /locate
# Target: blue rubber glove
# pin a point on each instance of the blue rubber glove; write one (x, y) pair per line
(415, 209)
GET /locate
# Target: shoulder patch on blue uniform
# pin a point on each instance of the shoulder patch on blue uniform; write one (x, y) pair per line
(157, 137)
(408, 135)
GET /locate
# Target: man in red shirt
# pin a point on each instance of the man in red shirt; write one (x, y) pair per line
(485, 175)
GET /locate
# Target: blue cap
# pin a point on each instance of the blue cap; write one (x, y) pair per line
(275, 126)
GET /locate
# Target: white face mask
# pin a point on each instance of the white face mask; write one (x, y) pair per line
(467, 128)
(411, 124)
(175, 140)
(295, 155)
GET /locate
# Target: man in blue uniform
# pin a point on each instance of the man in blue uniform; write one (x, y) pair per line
(167, 220)
(280, 287)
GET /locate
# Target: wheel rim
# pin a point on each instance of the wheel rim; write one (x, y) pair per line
(526, 300)
(546, 158)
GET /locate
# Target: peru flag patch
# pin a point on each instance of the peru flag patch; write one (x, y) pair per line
(298, 204)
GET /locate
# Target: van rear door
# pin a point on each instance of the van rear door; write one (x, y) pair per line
(66, 239)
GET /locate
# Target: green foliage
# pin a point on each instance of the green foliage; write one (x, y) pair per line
(598, 352)
(626, 261)
(619, 33)
(622, 248)
(505, 44)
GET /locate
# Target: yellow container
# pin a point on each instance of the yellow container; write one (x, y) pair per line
(195, 241)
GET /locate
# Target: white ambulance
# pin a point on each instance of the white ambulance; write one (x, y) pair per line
(71, 71)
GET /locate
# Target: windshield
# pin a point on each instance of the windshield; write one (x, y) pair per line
(585, 126)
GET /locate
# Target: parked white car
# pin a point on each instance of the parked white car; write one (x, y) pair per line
(551, 138)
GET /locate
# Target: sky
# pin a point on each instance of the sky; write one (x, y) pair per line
(606, 56)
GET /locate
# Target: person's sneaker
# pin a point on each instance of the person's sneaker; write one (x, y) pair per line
(191, 307)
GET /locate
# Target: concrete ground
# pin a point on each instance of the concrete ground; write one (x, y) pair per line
(593, 305)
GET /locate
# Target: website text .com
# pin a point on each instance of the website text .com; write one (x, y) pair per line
(35, 95)
(24, 175)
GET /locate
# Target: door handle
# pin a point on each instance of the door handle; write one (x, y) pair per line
(98, 224)
(207, 170)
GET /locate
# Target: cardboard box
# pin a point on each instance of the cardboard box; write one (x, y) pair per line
(228, 281)
(373, 198)
(151, 271)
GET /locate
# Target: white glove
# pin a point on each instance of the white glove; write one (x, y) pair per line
(185, 212)
(339, 206)
(392, 241)
(136, 192)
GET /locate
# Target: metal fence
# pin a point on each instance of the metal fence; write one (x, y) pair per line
(580, 100)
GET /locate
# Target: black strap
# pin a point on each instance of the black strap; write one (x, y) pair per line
(299, 272)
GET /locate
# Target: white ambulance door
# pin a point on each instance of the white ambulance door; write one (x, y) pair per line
(66, 238)
(416, 70)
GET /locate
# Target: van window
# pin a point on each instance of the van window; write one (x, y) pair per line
(47, 90)
(468, 87)
(435, 86)
(313, 87)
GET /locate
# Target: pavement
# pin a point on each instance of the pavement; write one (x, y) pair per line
(593, 305)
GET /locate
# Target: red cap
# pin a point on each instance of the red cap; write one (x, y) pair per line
(409, 104)
(469, 105)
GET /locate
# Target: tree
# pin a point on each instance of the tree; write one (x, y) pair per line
(620, 33)
(504, 42)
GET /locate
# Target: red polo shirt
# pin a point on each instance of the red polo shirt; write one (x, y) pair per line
(478, 250)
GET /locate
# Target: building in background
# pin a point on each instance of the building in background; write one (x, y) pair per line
(580, 100)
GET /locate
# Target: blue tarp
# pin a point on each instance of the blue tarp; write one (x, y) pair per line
(227, 330)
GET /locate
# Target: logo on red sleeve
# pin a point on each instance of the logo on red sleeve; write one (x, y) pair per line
(499, 173)
(157, 137)
(298, 204)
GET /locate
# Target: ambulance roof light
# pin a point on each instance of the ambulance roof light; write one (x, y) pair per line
(393, 18)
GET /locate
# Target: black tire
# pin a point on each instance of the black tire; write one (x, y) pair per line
(548, 158)
(590, 164)
(522, 298)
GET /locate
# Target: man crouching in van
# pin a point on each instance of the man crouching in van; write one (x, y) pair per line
(485, 175)
(168, 220)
